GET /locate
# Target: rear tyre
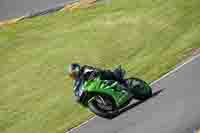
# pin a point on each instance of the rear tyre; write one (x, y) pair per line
(139, 88)
(103, 106)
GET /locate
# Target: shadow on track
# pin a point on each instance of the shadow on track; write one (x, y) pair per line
(136, 104)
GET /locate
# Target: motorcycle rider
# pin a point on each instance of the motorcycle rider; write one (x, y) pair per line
(83, 73)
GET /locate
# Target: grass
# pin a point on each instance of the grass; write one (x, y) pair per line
(148, 37)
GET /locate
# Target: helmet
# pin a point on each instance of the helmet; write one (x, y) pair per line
(74, 70)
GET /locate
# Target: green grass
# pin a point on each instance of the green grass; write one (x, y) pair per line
(148, 37)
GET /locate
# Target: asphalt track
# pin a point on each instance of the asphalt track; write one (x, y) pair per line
(16, 8)
(175, 110)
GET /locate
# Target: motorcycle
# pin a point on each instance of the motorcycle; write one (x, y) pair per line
(105, 98)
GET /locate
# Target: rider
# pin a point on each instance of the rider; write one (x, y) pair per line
(83, 73)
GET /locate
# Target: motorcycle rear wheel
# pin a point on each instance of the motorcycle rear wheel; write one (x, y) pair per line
(139, 88)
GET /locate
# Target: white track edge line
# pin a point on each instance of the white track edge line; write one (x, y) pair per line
(176, 69)
(164, 76)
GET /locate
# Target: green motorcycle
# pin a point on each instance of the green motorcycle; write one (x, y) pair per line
(105, 98)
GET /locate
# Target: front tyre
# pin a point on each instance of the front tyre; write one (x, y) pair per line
(103, 106)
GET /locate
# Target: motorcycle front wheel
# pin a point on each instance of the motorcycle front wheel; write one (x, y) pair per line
(103, 106)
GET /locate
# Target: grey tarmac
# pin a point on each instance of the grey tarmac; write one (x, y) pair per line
(16, 8)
